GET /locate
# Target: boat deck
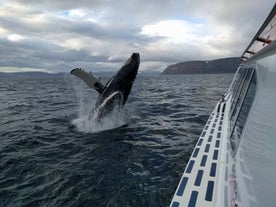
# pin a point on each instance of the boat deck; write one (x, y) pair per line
(198, 184)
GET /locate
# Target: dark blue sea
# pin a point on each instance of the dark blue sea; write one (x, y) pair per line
(52, 154)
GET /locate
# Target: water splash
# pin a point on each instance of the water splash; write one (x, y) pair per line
(88, 120)
(91, 123)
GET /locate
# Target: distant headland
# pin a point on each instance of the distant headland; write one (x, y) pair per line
(31, 75)
(225, 65)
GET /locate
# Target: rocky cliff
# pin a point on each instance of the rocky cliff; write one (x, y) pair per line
(225, 65)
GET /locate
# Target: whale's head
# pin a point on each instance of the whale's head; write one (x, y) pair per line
(122, 82)
(125, 77)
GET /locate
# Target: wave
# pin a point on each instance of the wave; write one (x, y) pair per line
(54, 152)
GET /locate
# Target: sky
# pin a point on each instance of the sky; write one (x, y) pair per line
(99, 35)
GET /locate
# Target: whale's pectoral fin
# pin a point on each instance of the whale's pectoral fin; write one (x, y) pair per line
(91, 80)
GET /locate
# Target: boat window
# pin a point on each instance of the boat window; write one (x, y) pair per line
(235, 81)
(243, 113)
(239, 86)
(239, 96)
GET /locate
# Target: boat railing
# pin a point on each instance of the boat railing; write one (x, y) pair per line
(265, 36)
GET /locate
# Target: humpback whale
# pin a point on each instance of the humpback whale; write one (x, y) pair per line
(117, 89)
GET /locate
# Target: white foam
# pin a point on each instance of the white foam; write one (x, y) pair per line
(90, 123)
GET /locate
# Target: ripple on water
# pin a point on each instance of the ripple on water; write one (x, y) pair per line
(46, 161)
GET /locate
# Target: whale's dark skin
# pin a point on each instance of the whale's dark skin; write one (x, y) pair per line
(117, 89)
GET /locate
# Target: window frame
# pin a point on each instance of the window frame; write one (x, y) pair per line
(233, 120)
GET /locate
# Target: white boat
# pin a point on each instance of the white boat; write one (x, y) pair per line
(234, 161)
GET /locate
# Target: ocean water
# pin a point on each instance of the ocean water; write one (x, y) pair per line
(52, 153)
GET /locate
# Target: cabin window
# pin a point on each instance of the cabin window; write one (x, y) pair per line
(238, 88)
(242, 111)
(236, 79)
(239, 95)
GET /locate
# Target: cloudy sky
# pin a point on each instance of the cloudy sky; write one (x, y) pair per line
(99, 35)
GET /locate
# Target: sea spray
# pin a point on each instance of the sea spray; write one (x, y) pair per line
(90, 123)
(88, 119)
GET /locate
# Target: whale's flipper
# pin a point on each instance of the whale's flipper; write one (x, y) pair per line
(91, 80)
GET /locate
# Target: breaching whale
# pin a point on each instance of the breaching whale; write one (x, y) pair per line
(117, 89)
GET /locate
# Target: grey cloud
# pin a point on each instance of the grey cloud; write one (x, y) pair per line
(245, 16)
(61, 5)
(40, 49)
(37, 53)
(62, 28)
(118, 31)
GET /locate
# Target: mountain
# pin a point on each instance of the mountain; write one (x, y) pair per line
(31, 75)
(225, 65)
